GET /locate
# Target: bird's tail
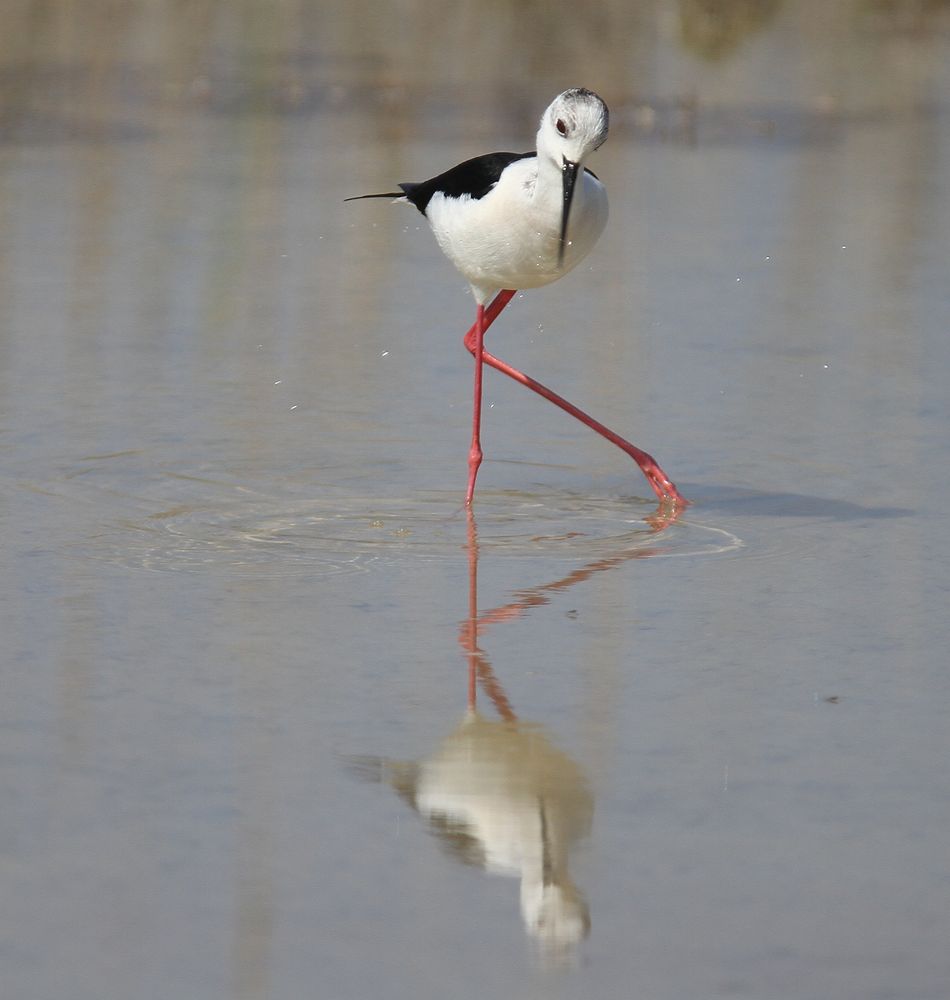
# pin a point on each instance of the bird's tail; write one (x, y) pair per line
(385, 194)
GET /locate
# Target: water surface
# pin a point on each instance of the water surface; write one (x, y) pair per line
(279, 720)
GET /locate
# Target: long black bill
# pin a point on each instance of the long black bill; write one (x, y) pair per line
(568, 176)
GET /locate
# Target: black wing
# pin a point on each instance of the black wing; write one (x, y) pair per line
(475, 177)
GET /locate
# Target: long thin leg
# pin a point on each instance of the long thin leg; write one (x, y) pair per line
(474, 342)
(475, 454)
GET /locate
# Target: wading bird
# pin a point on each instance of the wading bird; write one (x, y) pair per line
(511, 221)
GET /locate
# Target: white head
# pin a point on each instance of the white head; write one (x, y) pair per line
(573, 126)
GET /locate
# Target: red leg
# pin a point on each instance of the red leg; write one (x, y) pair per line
(474, 339)
(475, 454)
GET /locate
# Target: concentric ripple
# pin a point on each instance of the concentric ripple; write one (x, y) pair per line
(351, 534)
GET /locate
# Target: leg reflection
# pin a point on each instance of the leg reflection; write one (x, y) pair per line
(497, 792)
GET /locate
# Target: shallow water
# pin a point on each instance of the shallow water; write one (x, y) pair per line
(278, 718)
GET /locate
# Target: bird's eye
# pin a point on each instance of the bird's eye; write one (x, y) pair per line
(560, 126)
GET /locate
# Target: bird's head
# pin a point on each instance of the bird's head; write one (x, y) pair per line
(573, 126)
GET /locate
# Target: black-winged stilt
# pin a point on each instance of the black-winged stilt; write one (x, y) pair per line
(509, 221)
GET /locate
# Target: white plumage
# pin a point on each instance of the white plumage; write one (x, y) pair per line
(511, 236)
(522, 220)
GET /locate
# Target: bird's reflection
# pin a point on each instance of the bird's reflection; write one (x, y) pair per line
(499, 795)
(496, 791)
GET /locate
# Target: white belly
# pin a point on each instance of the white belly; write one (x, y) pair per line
(510, 238)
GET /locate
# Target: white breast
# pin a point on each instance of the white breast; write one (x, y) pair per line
(510, 237)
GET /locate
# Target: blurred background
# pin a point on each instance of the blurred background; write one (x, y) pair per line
(278, 720)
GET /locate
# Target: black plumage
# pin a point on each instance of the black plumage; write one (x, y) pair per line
(474, 177)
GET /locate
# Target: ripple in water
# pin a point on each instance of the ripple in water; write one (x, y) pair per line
(354, 534)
